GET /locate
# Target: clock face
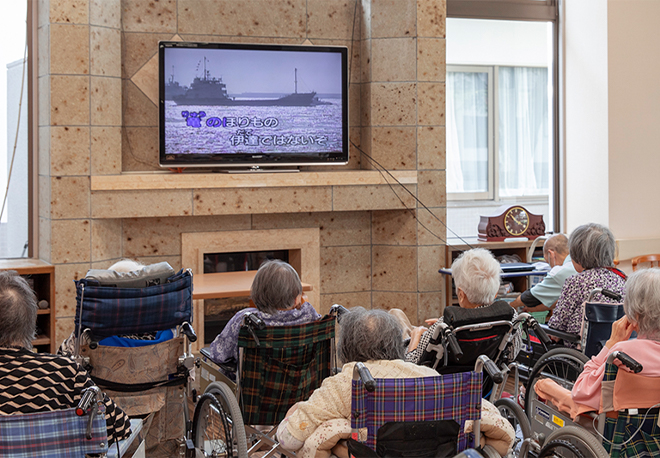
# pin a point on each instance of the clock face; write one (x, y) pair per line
(516, 221)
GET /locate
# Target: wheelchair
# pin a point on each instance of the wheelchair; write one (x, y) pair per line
(626, 427)
(147, 379)
(564, 364)
(422, 416)
(69, 433)
(465, 335)
(277, 367)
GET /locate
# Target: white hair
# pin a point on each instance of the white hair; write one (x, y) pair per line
(477, 273)
(642, 302)
(125, 266)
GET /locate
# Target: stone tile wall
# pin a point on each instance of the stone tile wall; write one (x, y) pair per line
(98, 116)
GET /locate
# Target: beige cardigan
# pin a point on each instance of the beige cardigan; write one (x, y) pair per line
(333, 398)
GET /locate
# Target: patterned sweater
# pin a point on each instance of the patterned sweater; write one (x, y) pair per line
(37, 382)
(569, 310)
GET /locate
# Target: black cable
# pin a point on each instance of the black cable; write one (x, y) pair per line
(382, 169)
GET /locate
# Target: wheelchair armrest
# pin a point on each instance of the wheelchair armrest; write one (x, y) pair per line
(567, 336)
(206, 351)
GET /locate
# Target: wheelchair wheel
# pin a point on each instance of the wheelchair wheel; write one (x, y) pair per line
(572, 442)
(563, 365)
(510, 410)
(218, 429)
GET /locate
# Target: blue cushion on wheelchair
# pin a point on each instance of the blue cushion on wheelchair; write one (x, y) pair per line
(116, 341)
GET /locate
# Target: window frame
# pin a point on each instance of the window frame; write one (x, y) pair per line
(490, 192)
(542, 11)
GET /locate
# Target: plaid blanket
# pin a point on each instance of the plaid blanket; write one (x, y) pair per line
(642, 443)
(289, 363)
(446, 397)
(110, 311)
(56, 434)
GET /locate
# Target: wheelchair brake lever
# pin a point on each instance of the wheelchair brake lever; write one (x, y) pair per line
(87, 405)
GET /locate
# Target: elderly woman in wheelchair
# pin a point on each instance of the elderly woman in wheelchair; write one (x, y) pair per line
(629, 393)
(37, 382)
(476, 275)
(592, 248)
(372, 337)
(278, 296)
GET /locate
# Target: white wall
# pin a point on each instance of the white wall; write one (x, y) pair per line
(586, 167)
(634, 119)
(489, 42)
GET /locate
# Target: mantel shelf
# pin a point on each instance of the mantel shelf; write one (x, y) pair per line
(148, 181)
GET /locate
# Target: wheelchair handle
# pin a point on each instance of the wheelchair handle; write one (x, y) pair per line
(86, 401)
(540, 333)
(453, 344)
(628, 361)
(491, 368)
(187, 329)
(611, 294)
(366, 377)
(253, 321)
(338, 310)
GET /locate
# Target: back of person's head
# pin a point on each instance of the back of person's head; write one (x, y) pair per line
(557, 243)
(275, 287)
(369, 335)
(477, 273)
(642, 302)
(18, 311)
(125, 266)
(592, 245)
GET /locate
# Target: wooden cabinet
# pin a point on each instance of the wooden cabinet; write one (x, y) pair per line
(41, 277)
(517, 247)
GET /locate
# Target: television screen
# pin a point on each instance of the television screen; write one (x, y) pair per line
(228, 105)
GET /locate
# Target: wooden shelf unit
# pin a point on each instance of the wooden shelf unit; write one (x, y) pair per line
(515, 247)
(41, 277)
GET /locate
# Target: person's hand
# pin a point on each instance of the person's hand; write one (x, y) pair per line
(415, 337)
(431, 321)
(621, 331)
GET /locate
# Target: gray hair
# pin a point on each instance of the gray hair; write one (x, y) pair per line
(642, 302)
(275, 287)
(557, 243)
(18, 311)
(369, 335)
(592, 245)
(477, 273)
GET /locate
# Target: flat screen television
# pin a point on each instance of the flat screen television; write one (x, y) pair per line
(252, 105)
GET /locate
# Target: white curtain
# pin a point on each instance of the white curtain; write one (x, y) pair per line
(524, 126)
(467, 132)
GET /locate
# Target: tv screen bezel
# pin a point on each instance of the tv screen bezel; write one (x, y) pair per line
(230, 160)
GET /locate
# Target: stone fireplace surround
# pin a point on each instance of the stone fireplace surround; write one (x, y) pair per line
(304, 255)
(100, 200)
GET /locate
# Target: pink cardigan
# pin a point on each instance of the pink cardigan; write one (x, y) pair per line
(587, 388)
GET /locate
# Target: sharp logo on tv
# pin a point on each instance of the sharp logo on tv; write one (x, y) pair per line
(224, 103)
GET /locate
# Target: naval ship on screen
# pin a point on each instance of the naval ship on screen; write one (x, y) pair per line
(209, 90)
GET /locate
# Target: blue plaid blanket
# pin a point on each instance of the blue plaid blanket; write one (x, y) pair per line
(110, 311)
(447, 397)
(56, 434)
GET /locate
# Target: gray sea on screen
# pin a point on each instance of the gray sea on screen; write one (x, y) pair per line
(304, 125)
